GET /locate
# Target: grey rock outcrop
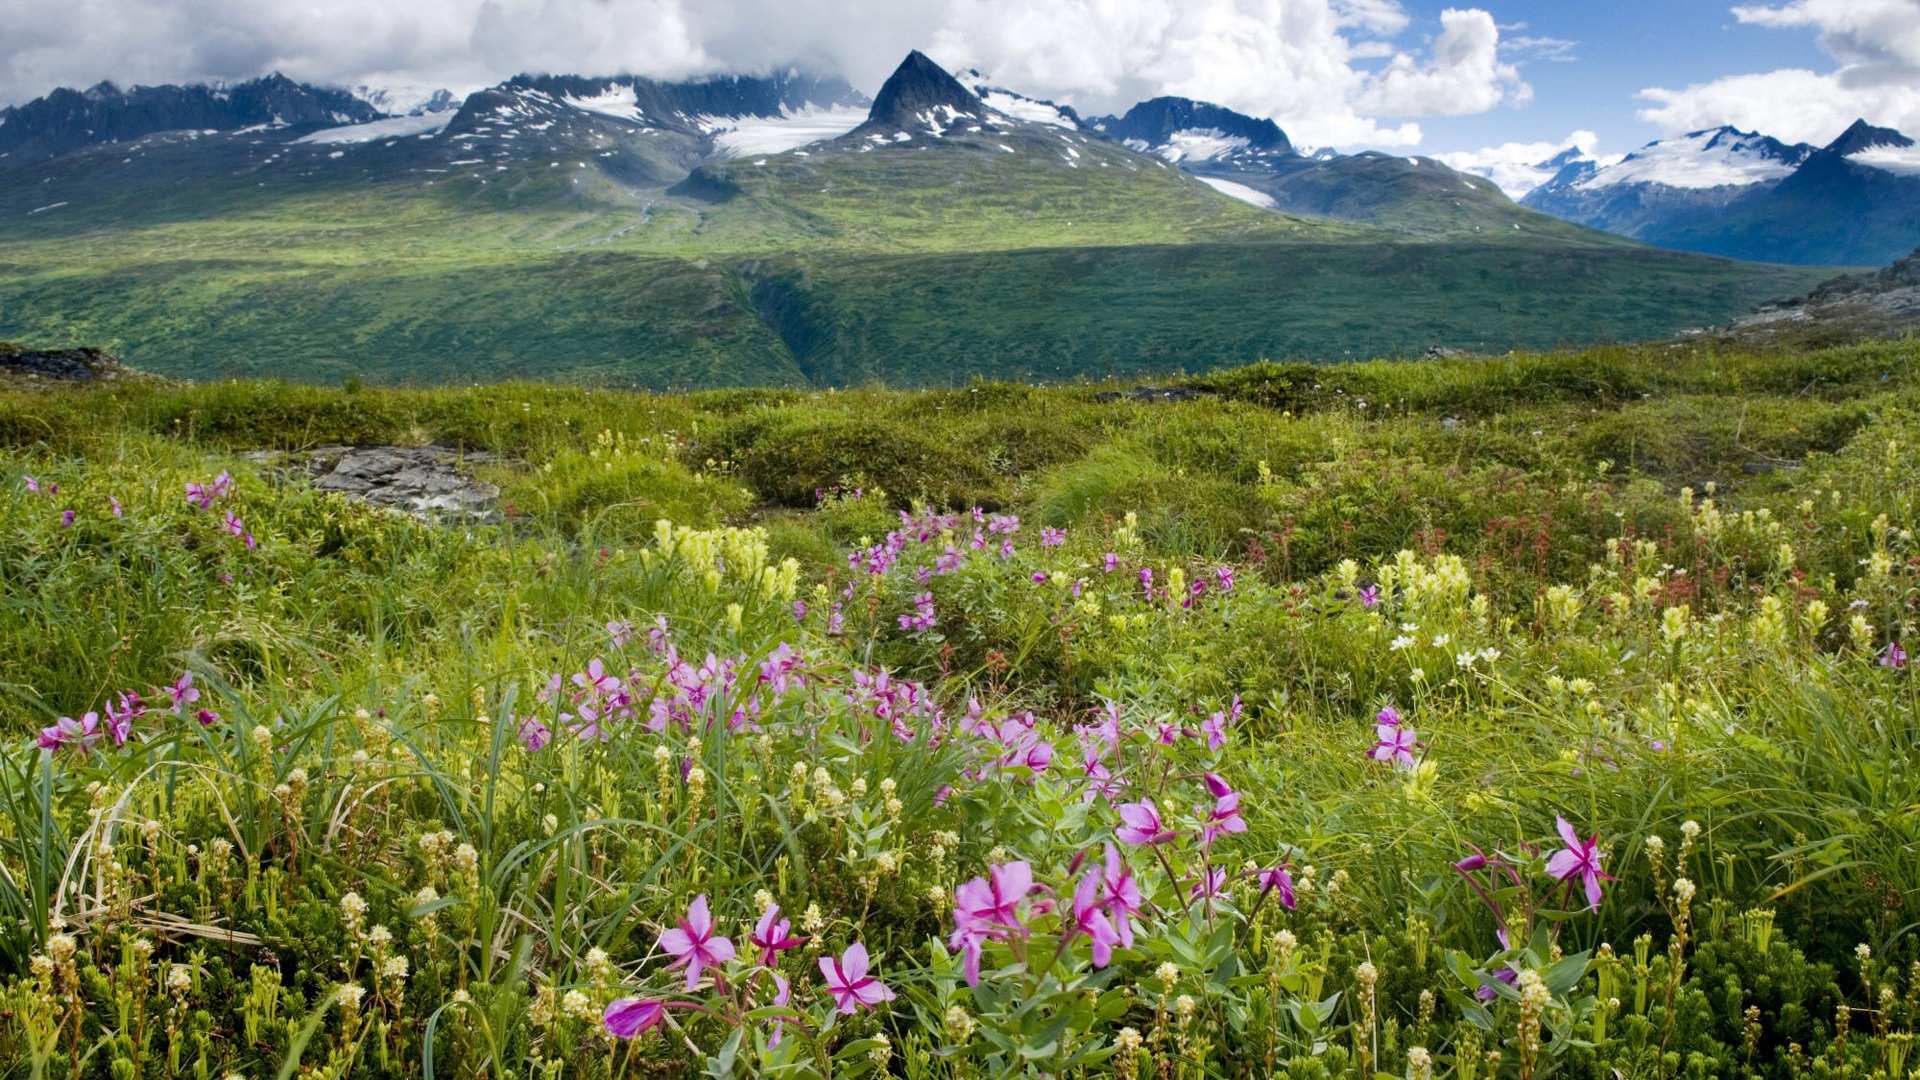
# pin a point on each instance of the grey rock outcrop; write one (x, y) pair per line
(424, 480)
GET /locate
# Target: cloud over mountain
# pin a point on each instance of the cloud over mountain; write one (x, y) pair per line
(1876, 47)
(1308, 63)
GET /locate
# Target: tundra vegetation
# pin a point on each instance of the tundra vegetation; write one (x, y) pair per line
(1541, 716)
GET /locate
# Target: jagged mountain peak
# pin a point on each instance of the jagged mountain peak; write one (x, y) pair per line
(1160, 122)
(67, 120)
(920, 93)
(1861, 135)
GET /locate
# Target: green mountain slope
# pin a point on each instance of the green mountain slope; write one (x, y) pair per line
(905, 252)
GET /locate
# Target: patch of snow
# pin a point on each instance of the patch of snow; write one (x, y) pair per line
(1023, 108)
(1239, 191)
(1703, 159)
(1200, 144)
(412, 99)
(373, 130)
(745, 135)
(615, 101)
(1898, 160)
(44, 209)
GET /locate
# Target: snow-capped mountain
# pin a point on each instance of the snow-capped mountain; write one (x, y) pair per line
(643, 131)
(1252, 159)
(70, 148)
(1722, 191)
(69, 120)
(1878, 148)
(1183, 130)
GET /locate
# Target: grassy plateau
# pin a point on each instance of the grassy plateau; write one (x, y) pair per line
(1542, 716)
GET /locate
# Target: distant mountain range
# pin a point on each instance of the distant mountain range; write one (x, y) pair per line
(1722, 191)
(773, 229)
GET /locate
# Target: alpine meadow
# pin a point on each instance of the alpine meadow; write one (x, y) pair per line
(602, 578)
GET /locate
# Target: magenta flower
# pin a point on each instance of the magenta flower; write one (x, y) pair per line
(694, 942)
(587, 725)
(207, 717)
(33, 486)
(1476, 861)
(1140, 824)
(534, 735)
(1122, 894)
(1225, 576)
(1111, 562)
(1369, 595)
(120, 719)
(115, 503)
(66, 519)
(923, 617)
(1579, 860)
(1279, 880)
(80, 734)
(1090, 917)
(771, 937)
(988, 907)
(1894, 657)
(222, 484)
(1395, 744)
(782, 994)
(1209, 883)
(993, 902)
(232, 524)
(182, 693)
(628, 1017)
(1051, 537)
(1388, 716)
(849, 982)
(1224, 818)
(595, 679)
(200, 495)
(620, 632)
(1215, 729)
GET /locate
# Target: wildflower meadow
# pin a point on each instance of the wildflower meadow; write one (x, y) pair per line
(1548, 716)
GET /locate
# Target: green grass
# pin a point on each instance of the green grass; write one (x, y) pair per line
(1566, 622)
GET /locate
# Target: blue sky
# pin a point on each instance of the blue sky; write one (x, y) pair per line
(1618, 48)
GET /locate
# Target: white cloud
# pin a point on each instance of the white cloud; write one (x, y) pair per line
(1465, 74)
(1876, 44)
(1289, 59)
(1518, 166)
(1303, 62)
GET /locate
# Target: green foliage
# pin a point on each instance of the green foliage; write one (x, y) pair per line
(1574, 624)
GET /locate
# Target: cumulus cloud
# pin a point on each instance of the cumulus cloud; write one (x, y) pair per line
(1519, 167)
(1304, 62)
(1465, 74)
(1876, 45)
